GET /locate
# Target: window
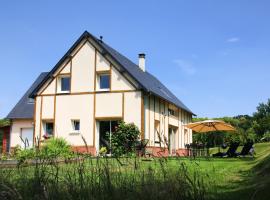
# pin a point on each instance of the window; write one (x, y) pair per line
(31, 101)
(65, 84)
(172, 112)
(76, 125)
(104, 81)
(48, 129)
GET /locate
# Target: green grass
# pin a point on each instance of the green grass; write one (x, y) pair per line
(234, 178)
(130, 178)
(228, 178)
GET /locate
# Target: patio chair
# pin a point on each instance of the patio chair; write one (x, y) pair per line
(246, 149)
(231, 152)
(140, 147)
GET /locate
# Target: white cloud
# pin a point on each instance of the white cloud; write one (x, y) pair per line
(233, 39)
(185, 66)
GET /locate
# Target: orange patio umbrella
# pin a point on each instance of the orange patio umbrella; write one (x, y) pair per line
(210, 125)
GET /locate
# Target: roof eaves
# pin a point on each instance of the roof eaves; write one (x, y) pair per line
(67, 54)
(115, 60)
(85, 35)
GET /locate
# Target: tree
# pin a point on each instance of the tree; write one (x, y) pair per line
(262, 119)
(247, 127)
(242, 123)
(4, 122)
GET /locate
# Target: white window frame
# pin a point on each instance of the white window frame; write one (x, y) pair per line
(98, 81)
(45, 122)
(73, 131)
(59, 84)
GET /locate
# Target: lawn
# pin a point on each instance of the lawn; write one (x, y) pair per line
(230, 178)
(235, 178)
(133, 178)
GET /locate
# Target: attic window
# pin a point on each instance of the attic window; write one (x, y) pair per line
(64, 84)
(104, 81)
(31, 100)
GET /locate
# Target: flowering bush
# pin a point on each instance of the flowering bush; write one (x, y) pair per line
(124, 138)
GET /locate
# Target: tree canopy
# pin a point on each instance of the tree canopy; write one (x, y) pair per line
(255, 127)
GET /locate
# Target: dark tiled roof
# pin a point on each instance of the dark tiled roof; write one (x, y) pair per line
(148, 82)
(24, 109)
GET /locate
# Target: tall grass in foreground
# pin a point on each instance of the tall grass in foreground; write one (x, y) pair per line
(102, 178)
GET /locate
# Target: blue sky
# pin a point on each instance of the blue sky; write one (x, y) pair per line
(214, 55)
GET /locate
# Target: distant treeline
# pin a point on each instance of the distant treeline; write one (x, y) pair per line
(255, 127)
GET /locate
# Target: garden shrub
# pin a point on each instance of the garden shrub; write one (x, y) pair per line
(56, 147)
(124, 138)
(51, 149)
(103, 151)
(3, 157)
(25, 154)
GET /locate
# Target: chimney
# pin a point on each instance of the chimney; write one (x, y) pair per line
(142, 61)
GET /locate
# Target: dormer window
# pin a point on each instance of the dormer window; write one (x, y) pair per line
(64, 84)
(104, 81)
(31, 101)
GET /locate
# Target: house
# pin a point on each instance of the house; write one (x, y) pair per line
(88, 91)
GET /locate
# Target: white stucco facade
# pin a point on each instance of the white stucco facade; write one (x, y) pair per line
(89, 104)
(16, 131)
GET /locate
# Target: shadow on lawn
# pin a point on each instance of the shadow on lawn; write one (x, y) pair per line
(252, 184)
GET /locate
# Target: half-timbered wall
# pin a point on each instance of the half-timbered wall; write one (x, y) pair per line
(157, 121)
(85, 102)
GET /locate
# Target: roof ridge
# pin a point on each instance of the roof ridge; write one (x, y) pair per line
(146, 81)
(162, 87)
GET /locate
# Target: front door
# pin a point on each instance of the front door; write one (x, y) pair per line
(27, 138)
(172, 132)
(106, 129)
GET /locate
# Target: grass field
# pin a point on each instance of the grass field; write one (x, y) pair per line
(230, 178)
(235, 178)
(133, 178)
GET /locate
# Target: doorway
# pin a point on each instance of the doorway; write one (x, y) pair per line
(172, 133)
(106, 129)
